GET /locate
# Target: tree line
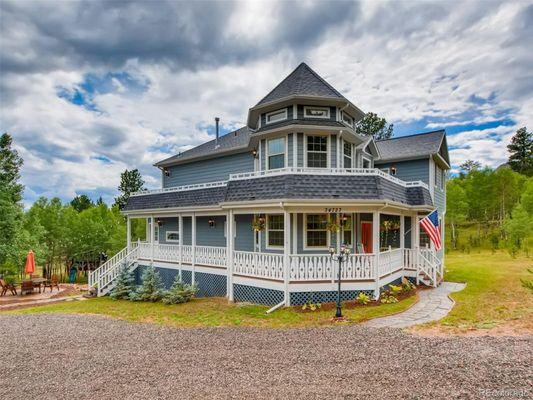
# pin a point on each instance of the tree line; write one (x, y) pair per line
(60, 234)
(493, 207)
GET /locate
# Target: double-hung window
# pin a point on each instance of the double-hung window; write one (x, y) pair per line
(317, 151)
(275, 233)
(347, 155)
(347, 119)
(316, 234)
(276, 153)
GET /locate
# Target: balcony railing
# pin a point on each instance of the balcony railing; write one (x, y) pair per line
(287, 171)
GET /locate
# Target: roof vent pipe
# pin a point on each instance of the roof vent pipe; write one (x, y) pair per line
(216, 131)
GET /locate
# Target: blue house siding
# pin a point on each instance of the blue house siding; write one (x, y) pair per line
(212, 170)
(412, 170)
(244, 241)
(169, 224)
(211, 236)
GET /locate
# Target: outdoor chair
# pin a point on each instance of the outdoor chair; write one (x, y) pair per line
(4, 287)
(54, 281)
(26, 287)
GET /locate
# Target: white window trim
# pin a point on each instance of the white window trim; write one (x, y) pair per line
(171, 240)
(267, 245)
(363, 157)
(328, 111)
(284, 110)
(328, 234)
(346, 123)
(343, 155)
(328, 149)
(285, 153)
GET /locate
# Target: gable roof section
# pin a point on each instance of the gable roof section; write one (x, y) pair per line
(232, 141)
(412, 146)
(303, 81)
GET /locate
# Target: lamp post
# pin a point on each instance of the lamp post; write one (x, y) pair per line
(341, 257)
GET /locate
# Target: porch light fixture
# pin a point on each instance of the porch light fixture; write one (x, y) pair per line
(344, 218)
(211, 222)
(159, 222)
(393, 171)
(254, 153)
(166, 171)
(340, 257)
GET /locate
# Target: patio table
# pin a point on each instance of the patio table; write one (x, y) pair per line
(35, 281)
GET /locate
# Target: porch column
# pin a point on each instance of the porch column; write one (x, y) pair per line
(402, 231)
(416, 246)
(286, 252)
(128, 233)
(152, 234)
(375, 249)
(193, 242)
(229, 256)
(180, 235)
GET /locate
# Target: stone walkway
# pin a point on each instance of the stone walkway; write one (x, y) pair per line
(433, 304)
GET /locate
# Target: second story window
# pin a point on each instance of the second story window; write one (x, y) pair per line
(276, 153)
(347, 119)
(317, 151)
(316, 112)
(347, 155)
(276, 116)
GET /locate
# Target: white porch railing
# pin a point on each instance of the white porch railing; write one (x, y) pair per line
(390, 261)
(211, 255)
(261, 265)
(315, 267)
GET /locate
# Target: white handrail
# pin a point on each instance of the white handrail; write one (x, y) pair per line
(103, 276)
(183, 188)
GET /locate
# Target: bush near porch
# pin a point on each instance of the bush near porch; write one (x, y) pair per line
(494, 297)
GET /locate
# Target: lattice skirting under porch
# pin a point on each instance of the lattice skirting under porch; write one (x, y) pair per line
(257, 295)
(299, 298)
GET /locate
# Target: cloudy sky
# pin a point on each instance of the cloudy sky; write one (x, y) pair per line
(91, 88)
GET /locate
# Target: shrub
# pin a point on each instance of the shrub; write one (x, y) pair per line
(363, 298)
(179, 292)
(395, 290)
(388, 299)
(151, 288)
(124, 286)
(407, 285)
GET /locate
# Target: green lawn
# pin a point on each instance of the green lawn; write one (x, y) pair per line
(494, 296)
(213, 312)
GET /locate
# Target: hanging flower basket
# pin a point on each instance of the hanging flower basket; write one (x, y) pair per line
(332, 226)
(258, 224)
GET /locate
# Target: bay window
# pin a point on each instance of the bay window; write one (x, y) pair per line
(317, 151)
(347, 152)
(276, 153)
(274, 231)
(316, 234)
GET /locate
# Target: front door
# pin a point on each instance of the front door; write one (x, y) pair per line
(366, 236)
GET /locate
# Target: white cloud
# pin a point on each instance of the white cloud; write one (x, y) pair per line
(427, 68)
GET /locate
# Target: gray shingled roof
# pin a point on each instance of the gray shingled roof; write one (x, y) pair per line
(303, 187)
(421, 144)
(288, 122)
(189, 198)
(231, 141)
(303, 81)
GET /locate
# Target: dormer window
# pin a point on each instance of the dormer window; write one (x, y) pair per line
(316, 112)
(276, 116)
(347, 119)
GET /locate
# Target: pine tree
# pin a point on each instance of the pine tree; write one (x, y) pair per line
(151, 288)
(81, 202)
(374, 125)
(10, 164)
(125, 285)
(130, 181)
(521, 152)
(179, 292)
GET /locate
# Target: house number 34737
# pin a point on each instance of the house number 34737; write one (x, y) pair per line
(333, 210)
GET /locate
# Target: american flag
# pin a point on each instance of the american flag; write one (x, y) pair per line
(431, 226)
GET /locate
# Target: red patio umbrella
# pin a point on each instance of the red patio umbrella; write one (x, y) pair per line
(30, 263)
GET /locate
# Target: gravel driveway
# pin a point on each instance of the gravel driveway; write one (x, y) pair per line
(79, 357)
